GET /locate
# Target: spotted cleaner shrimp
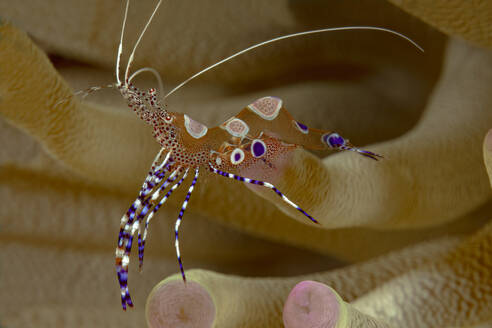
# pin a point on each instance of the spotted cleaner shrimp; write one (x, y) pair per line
(260, 134)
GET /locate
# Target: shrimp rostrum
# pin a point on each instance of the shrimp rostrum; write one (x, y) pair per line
(262, 133)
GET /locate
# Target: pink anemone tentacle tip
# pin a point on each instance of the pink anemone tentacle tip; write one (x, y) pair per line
(311, 304)
(176, 304)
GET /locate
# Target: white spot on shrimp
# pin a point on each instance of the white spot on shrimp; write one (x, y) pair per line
(236, 127)
(267, 107)
(194, 128)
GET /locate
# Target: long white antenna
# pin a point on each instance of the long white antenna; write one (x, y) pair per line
(291, 36)
(120, 46)
(130, 60)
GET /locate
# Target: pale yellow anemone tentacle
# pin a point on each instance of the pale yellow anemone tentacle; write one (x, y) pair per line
(468, 19)
(257, 302)
(455, 290)
(35, 98)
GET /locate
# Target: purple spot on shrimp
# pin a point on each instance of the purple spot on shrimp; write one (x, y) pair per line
(302, 127)
(334, 140)
(258, 148)
(237, 157)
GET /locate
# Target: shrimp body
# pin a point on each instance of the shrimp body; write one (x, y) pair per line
(260, 139)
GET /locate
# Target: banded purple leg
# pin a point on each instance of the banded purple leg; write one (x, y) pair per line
(141, 242)
(264, 184)
(156, 174)
(128, 226)
(178, 222)
(154, 177)
(147, 205)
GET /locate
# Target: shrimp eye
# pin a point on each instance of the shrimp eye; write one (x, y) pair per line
(166, 117)
(237, 156)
